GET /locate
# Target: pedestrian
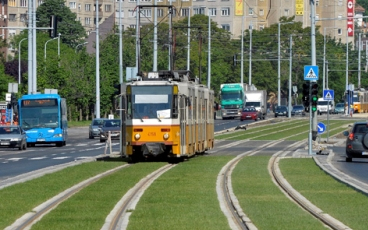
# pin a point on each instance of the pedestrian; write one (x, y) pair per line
(3, 122)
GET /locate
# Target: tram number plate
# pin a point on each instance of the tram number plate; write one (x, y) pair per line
(41, 139)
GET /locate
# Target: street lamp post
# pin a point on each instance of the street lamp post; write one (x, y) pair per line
(324, 56)
(47, 42)
(76, 48)
(19, 66)
(278, 69)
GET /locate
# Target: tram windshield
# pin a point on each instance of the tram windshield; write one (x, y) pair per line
(150, 102)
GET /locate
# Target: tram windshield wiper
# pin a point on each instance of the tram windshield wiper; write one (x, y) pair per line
(139, 116)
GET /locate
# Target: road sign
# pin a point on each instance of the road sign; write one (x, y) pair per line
(328, 95)
(321, 127)
(311, 72)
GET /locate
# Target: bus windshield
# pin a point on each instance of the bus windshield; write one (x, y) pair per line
(35, 117)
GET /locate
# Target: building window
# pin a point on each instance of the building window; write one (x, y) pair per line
(12, 3)
(339, 31)
(226, 27)
(12, 17)
(225, 11)
(117, 13)
(40, 2)
(87, 7)
(160, 13)
(286, 12)
(72, 5)
(23, 17)
(132, 13)
(87, 21)
(132, 26)
(184, 12)
(198, 11)
(107, 8)
(250, 10)
(261, 27)
(23, 3)
(212, 11)
(146, 13)
(261, 12)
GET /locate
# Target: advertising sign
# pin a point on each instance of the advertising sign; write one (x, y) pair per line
(350, 15)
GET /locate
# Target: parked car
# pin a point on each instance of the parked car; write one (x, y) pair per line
(94, 127)
(298, 110)
(13, 136)
(250, 113)
(339, 108)
(357, 141)
(281, 110)
(112, 126)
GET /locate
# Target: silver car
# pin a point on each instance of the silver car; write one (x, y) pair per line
(340, 108)
(298, 110)
(13, 136)
(94, 127)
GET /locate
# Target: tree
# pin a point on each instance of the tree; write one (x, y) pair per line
(71, 30)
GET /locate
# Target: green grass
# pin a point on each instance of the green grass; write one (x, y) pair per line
(335, 198)
(89, 208)
(183, 198)
(21, 198)
(252, 131)
(263, 202)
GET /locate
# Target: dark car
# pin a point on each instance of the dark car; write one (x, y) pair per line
(281, 110)
(13, 136)
(112, 126)
(250, 113)
(298, 110)
(94, 127)
(357, 141)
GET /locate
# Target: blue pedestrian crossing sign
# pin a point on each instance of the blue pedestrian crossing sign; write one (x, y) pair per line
(311, 72)
(328, 95)
(321, 127)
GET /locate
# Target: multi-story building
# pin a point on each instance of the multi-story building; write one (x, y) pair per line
(231, 15)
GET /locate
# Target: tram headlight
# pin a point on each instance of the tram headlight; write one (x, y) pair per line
(137, 136)
(166, 136)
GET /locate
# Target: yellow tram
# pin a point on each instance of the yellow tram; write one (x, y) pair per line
(166, 114)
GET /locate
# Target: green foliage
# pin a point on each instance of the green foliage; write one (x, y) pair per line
(73, 72)
(71, 30)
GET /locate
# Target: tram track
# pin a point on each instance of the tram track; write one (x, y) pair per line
(28, 219)
(294, 195)
(119, 216)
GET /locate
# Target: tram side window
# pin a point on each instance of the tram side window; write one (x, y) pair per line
(129, 106)
(175, 106)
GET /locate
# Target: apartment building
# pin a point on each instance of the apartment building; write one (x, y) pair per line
(232, 15)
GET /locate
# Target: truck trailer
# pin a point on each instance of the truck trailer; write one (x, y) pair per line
(258, 100)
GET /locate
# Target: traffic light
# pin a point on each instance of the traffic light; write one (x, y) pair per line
(305, 97)
(314, 96)
(117, 89)
(13, 100)
(53, 24)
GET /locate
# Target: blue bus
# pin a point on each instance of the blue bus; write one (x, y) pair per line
(44, 119)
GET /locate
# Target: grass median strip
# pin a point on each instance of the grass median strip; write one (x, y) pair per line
(333, 197)
(263, 202)
(183, 198)
(88, 208)
(21, 198)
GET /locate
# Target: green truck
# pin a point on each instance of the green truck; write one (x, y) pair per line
(231, 100)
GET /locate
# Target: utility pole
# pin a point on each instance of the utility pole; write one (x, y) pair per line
(312, 115)
(97, 8)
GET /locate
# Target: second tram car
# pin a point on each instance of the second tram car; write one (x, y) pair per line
(166, 114)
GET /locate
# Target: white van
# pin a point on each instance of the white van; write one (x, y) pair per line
(325, 105)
